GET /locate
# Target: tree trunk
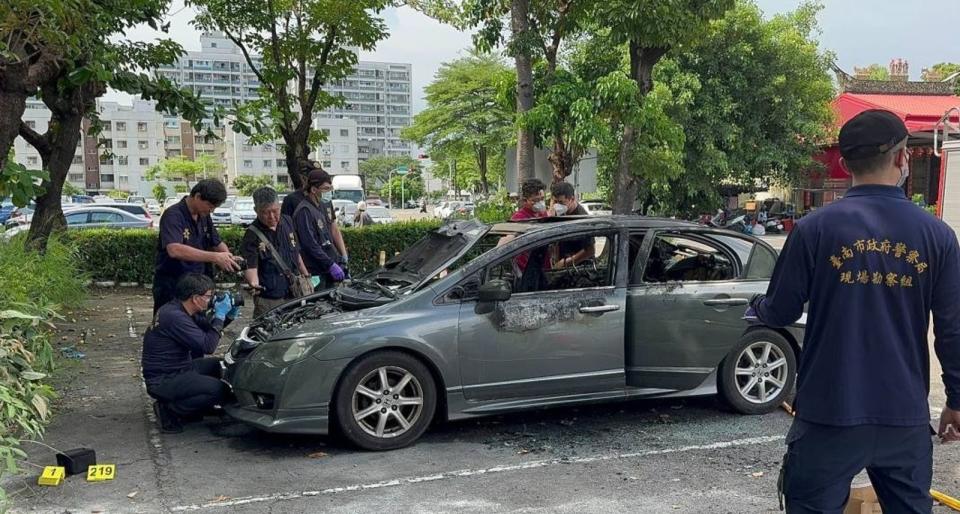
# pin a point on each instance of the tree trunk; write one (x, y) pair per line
(13, 101)
(520, 25)
(297, 154)
(562, 159)
(482, 165)
(642, 61)
(67, 111)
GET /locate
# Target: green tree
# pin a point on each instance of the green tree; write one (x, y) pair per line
(91, 56)
(760, 106)
(463, 113)
(159, 193)
(294, 48)
(180, 188)
(182, 168)
(71, 190)
(940, 71)
(376, 169)
(37, 40)
(406, 187)
(649, 29)
(873, 72)
(117, 194)
(18, 183)
(247, 184)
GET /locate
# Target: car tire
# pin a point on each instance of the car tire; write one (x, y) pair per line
(376, 421)
(759, 373)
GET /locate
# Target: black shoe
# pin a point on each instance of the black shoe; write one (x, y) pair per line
(169, 421)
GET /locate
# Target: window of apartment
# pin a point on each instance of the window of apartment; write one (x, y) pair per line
(326, 164)
(75, 177)
(121, 126)
(325, 132)
(247, 163)
(106, 178)
(144, 161)
(77, 160)
(124, 179)
(247, 148)
(344, 165)
(32, 160)
(121, 143)
(123, 160)
(281, 163)
(31, 124)
(141, 126)
(107, 126)
(106, 143)
(344, 132)
(173, 140)
(268, 163)
(143, 145)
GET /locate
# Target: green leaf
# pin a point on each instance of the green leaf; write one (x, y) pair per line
(32, 375)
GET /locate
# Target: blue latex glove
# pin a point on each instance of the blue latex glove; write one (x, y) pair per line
(222, 307)
(336, 272)
(234, 313)
(751, 314)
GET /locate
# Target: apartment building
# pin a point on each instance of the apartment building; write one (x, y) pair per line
(131, 140)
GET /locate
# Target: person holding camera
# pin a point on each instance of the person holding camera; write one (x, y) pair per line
(314, 221)
(188, 240)
(183, 382)
(270, 248)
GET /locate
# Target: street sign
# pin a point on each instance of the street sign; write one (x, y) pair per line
(402, 170)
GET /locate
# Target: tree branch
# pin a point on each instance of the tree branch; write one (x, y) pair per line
(246, 56)
(40, 142)
(317, 80)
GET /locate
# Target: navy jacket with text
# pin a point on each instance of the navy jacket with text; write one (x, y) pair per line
(873, 266)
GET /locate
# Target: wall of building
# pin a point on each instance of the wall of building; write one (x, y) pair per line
(339, 153)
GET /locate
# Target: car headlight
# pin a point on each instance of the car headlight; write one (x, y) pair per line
(290, 350)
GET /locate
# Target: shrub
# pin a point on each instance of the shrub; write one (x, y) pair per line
(497, 209)
(129, 255)
(33, 287)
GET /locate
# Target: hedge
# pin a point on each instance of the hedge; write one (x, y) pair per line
(129, 255)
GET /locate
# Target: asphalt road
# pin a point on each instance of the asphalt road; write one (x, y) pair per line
(640, 456)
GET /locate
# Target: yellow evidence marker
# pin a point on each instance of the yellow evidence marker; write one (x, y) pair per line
(52, 475)
(101, 472)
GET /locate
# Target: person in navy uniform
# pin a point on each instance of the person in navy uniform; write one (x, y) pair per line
(269, 283)
(313, 221)
(188, 240)
(183, 382)
(873, 266)
(325, 203)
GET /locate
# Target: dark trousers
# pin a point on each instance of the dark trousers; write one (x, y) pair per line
(194, 391)
(822, 460)
(164, 290)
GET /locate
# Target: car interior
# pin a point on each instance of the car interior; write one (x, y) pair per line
(675, 258)
(537, 269)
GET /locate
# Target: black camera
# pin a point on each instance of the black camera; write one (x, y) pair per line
(235, 298)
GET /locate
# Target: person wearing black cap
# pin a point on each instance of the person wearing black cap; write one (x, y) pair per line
(314, 221)
(873, 266)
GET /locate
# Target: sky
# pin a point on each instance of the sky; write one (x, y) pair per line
(859, 32)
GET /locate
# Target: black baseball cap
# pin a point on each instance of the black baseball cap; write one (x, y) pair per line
(870, 133)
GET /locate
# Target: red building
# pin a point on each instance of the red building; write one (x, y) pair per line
(919, 104)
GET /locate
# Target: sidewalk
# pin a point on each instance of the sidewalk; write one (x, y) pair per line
(102, 406)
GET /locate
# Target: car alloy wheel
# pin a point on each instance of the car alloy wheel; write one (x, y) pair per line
(758, 373)
(761, 372)
(387, 402)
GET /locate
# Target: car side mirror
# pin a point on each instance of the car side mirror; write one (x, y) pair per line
(489, 294)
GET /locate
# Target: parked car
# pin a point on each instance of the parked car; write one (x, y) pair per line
(137, 210)
(153, 207)
(346, 209)
(380, 215)
(597, 208)
(242, 212)
(21, 215)
(6, 210)
(453, 327)
(93, 216)
(223, 215)
(448, 209)
(173, 200)
(137, 200)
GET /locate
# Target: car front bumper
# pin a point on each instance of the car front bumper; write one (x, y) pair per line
(291, 399)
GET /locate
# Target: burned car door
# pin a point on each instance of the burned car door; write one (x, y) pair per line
(687, 295)
(560, 332)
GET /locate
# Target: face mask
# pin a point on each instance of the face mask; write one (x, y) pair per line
(327, 196)
(560, 209)
(539, 206)
(904, 172)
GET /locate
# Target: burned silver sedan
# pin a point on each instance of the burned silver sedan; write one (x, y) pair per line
(476, 319)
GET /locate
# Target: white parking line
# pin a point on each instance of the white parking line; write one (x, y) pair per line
(475, 472)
